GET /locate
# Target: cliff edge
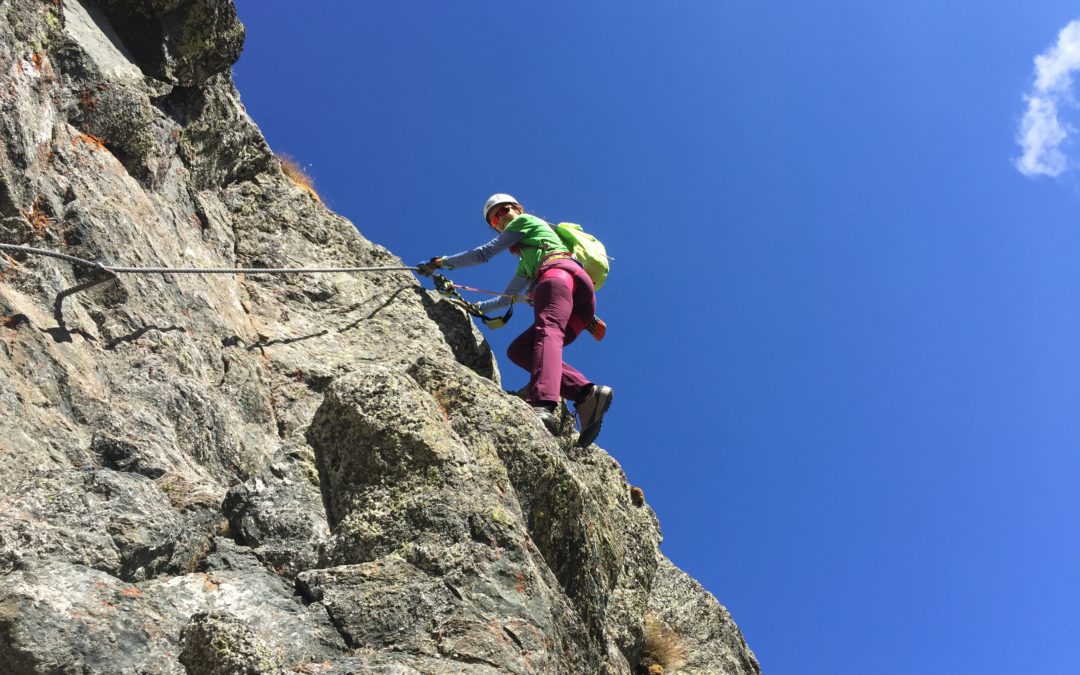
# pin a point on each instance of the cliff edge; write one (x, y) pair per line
(269, 473)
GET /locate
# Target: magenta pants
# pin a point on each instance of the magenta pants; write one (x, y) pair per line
(563, 304)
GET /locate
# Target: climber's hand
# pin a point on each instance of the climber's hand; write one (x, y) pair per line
(426, 269)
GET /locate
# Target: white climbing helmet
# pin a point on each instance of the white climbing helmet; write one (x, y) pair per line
(496, 200)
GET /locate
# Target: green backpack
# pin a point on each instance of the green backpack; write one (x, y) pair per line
(587, 249)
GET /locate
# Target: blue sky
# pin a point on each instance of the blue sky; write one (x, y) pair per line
(843, 312)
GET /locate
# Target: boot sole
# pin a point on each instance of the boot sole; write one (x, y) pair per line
(589, 435)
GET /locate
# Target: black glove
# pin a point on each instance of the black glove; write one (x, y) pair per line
(426, 269)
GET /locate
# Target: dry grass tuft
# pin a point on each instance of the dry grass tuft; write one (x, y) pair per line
(184, 494)
(292, 169)
(663, 648)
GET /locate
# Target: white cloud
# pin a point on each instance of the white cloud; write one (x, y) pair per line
(1040, 135)
(1041, 131)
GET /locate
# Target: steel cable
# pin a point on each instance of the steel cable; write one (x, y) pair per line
(196, 270)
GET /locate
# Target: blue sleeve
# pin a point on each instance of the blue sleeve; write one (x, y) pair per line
(515, 292)
(484, 253)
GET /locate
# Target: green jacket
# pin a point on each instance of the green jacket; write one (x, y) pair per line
(537, 242)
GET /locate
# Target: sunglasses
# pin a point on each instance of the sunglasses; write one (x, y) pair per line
(499, 211)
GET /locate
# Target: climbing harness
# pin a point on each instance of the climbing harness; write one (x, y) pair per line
(449, 290)
(114, 270)
(481, 290)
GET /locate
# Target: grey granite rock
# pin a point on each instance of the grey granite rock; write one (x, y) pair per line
(218, 643)
(280, 512)
(181, 41)
(709, 639)
(118, 523)
(149, 8)
(421, 509)
(56, 617)
(255, 473)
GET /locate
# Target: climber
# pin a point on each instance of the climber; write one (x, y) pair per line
(564, 303)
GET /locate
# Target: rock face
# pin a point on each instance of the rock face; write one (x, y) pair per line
(269, 474)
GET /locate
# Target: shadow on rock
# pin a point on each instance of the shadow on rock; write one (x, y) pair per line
(457, 329)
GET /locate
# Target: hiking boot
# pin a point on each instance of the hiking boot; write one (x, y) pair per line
(547, 416)
(590, 413)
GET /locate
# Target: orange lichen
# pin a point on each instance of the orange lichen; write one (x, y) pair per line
(9, 267)
(294, 172)
(443, 400)
(93, 141)
(131, 592)
(38, 220)
(38, 61)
